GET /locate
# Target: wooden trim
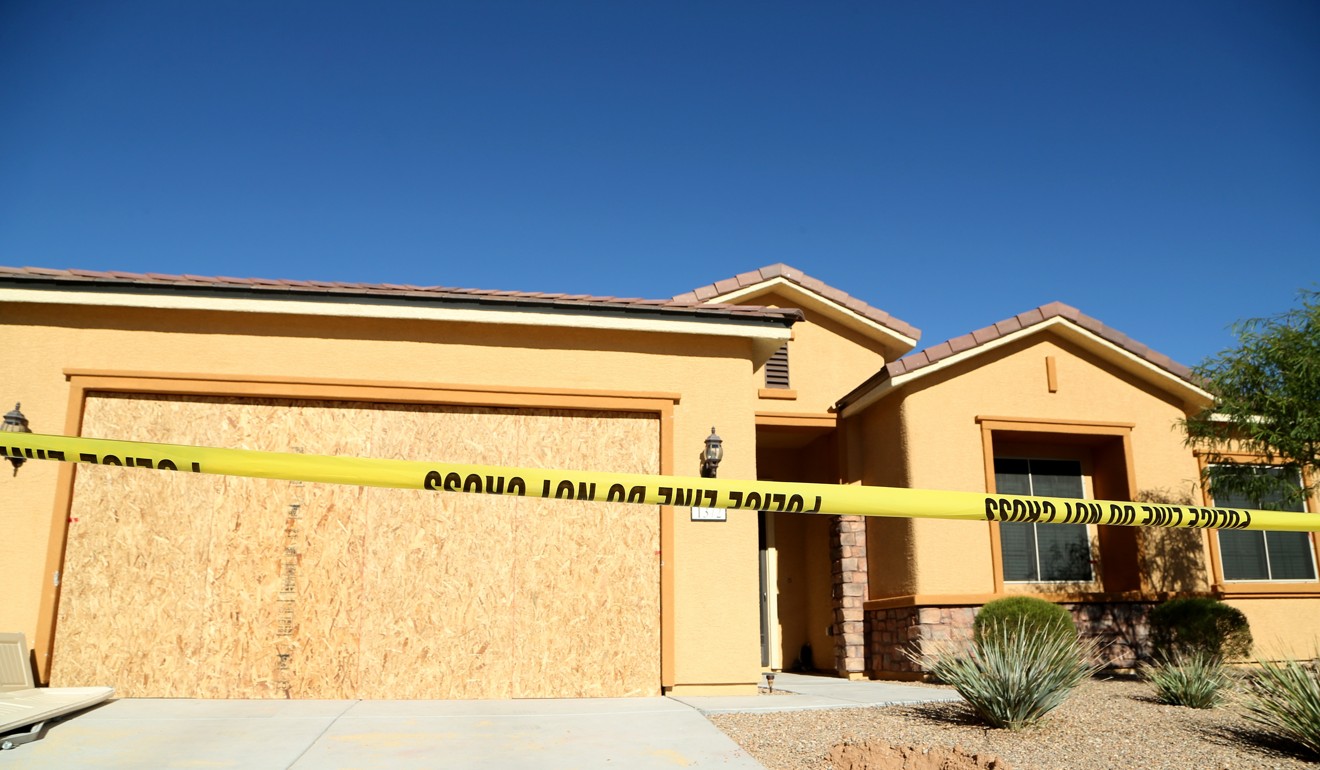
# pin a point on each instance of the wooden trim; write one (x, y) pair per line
(82, 381)
(784, 394)
(448, 394)
(668, 654)
(930, 600)
(996, 550)
(1216, 571)
(1045, 425)
(1204, 454)
(1131, 467)
(968, 600)
(1051, 374)
(1267, 590)
(43, 644)
(334, 388)
(797, 419)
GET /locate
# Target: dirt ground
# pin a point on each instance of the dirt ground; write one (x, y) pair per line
(876, 755)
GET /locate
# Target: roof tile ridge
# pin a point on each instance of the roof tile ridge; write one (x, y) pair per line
(1025, 320)
(805, 281)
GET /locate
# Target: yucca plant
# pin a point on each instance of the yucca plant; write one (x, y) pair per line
(1284, 698)
(1197, 680)
(1014, 673)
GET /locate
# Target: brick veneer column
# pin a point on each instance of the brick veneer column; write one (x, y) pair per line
(848, 557)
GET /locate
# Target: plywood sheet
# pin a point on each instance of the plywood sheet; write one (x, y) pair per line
(603, 553)
(178, 584)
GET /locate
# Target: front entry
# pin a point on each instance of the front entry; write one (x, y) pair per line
(797, 613)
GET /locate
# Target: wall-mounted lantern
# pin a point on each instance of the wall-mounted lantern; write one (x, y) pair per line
(15, 422)
(711, 456)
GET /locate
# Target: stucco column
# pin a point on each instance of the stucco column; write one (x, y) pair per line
(848, 559)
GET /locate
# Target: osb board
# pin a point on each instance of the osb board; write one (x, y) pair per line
(176, 584)
(575, 549)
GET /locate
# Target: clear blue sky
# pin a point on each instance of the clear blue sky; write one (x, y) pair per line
(1156, 164)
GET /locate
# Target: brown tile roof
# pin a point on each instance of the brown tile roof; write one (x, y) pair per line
(435, 294)
(793, 275)
(936, 353)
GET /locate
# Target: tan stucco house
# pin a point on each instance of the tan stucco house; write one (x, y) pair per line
(166, 584)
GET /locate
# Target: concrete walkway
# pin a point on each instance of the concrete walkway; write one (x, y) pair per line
(338, 735)
(821, 692)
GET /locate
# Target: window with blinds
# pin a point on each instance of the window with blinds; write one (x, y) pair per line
(1267, 556)
(1042, 552)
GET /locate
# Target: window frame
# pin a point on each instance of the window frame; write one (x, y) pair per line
(1059, 439)
(1247, 589)
(1222, 572)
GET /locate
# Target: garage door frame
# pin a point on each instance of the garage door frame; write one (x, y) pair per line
(82, 381)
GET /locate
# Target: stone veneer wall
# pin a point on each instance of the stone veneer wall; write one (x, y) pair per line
(848, 556)
(891, 633)
(1122, 628)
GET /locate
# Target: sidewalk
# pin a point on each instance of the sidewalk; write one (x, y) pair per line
(629, 733)
(821, 692)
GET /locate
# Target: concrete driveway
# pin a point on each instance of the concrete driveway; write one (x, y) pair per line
(325, 735)
(547, 734)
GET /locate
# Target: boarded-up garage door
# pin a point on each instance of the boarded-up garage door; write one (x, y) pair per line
(188, 585)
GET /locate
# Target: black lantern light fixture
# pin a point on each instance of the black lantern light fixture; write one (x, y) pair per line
(15, 422)
(711, 456)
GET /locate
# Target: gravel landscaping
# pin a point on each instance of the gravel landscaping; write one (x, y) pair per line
(1104, 724)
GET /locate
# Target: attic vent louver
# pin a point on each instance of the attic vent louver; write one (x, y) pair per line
(776, 369)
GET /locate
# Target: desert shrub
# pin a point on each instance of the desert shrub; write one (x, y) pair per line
(1187, 626)
(1284, 698)
(1196, 680)
(1035, 613)
(1014, 673)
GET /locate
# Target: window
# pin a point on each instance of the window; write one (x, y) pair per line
(776, 369)
(1042, 552)
(1270, 556)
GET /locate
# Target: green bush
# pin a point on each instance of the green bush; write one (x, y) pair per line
(1032, 612)
(1284, 698)
(1014, 673)
(1183, 627)
(1196, 680)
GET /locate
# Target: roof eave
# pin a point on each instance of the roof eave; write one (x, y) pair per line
(887, 381)
(895, 343)
(403, 303)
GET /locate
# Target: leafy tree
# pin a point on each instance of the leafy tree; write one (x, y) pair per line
(1267, 403)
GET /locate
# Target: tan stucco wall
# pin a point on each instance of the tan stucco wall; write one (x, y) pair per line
(715, 613)
(878, 456)
(1282, 628)
(944, 440)
(825, 359)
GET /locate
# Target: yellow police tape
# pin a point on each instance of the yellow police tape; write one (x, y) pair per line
(642, 488)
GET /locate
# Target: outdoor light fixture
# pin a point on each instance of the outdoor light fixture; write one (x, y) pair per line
(15, 422)
(770, 681)
(710, 458)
